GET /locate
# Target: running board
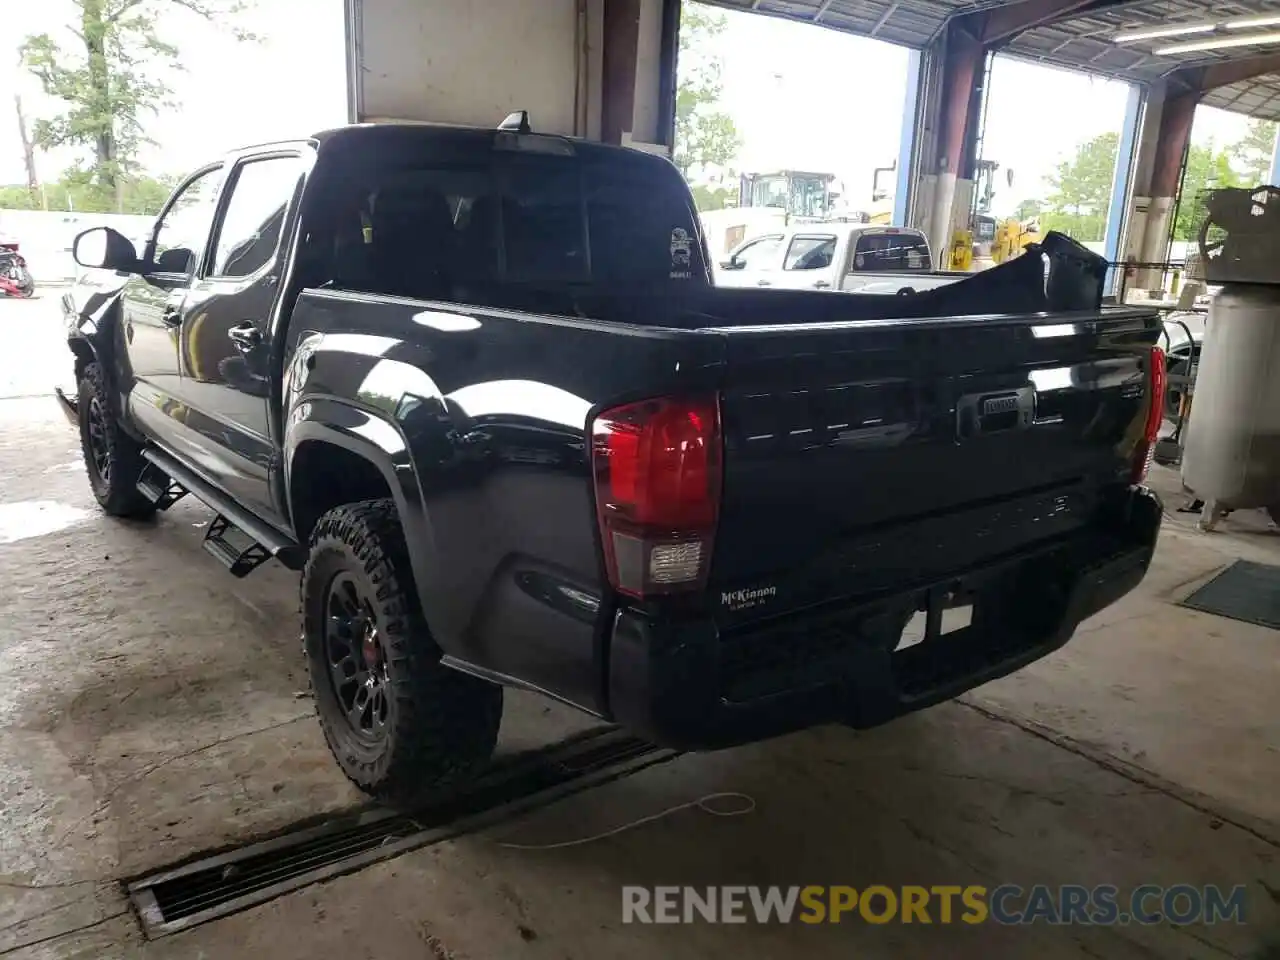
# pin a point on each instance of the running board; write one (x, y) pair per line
(70, 408)
(264, 541)
(241, 560)
(158, 488)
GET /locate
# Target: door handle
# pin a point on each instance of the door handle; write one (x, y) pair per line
(246, 336)
(171, 316)
(763, 283)
(821, 284)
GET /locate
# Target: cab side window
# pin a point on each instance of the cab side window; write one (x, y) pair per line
(180, 234)
(250, 230)
(758, 254)
(810, 253)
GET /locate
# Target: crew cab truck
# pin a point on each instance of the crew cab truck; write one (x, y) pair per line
(850, 257)
(477, 388)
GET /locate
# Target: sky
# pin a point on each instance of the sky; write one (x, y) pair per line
(808, 98)
(231, 94)
(803, 97)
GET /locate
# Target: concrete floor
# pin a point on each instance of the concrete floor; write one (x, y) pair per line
(151, 707)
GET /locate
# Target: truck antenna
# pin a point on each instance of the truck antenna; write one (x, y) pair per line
(517, 122)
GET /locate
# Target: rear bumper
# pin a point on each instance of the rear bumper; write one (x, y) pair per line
(690, 686)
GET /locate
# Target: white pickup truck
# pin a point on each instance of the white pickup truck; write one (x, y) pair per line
(852, 257)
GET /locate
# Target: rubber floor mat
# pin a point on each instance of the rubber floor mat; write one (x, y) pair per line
(1244, 591)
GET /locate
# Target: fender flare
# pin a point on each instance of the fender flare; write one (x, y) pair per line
(98, 335)
(379, 441)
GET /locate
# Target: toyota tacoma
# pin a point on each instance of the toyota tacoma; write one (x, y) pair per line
(478, 388)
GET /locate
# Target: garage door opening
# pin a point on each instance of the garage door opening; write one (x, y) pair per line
(776, 119)
(1050, 154)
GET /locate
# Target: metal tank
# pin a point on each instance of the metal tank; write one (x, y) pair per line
(1232, 454)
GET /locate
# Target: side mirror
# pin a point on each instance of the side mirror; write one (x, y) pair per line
(102, 248)
(731, 264)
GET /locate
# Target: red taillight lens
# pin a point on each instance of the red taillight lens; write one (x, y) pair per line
(1157, 381)
(657, 478)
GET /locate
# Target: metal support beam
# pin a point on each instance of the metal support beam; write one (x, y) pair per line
(1126, 160)
(1233, 71)
(961, 74)
(1171, 143)
(621, 48)
(889, 11)
(1006, 22)
(669, 57)
(954, 103)
(907, 141)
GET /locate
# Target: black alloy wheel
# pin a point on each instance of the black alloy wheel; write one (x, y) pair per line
(358, 662)
(99, 443)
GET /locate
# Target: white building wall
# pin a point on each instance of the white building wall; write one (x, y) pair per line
(456, 61)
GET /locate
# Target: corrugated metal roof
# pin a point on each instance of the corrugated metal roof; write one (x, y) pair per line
(1082, 42)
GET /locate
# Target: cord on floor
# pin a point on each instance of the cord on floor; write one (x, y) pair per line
(746, 804)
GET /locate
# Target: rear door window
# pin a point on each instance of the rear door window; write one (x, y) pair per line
(891, 252)
(810, 253)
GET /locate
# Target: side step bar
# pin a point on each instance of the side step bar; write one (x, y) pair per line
(158, 488)
(70, 406)
(264, 541)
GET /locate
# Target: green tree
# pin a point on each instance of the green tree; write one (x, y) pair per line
(1252, 155)
(706, 136)
(1082, 189)
(711, 197)
(1207, 167)
(109, 76)
(1029, 208)
(78, 191)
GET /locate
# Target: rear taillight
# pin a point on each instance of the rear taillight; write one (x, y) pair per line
(657, 483)
(1157, 380)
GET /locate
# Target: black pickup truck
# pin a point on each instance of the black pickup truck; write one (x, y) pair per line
(478, 387)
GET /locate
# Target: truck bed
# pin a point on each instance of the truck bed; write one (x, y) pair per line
(1014, 288)
(892, 281)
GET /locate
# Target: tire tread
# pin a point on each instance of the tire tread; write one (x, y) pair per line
(446, 722)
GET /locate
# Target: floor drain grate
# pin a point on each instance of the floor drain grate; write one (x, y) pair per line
(227, 883)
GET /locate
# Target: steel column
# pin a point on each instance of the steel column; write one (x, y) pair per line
(907, 141)
(621, 46)
(1171, 143)
(1122, 178)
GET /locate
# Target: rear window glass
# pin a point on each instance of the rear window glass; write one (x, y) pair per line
(891, 251)
(810, 253)
(543, 219)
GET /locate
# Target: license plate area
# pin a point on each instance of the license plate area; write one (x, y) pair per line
(957, 631)
(917, 628)
(940, 613)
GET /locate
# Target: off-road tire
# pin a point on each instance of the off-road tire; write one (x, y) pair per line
(442, 724)
(116, 487)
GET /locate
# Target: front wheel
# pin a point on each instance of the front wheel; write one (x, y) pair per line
(398, 721)
(112, 458)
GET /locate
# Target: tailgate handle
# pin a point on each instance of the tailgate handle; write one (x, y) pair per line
(983, 413)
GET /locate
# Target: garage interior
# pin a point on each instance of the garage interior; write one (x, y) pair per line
(154, 712)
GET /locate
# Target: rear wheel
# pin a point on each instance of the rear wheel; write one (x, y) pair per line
(112, 458)
(398, 721)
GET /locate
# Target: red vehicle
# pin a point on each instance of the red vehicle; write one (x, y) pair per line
(15, 278)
